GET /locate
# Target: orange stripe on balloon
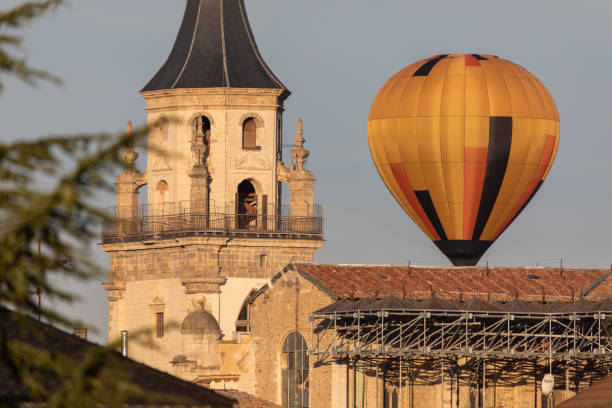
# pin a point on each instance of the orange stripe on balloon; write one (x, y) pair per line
(404, 184)
(471, 61)
(549, 147)
(474, 174)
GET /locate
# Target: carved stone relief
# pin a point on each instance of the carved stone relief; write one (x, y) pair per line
(251, 162)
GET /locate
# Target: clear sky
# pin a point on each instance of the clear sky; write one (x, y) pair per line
(334, 55)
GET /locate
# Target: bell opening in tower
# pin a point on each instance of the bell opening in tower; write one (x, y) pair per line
(246, 205)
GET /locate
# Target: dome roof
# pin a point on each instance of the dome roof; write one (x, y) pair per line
(199, 322)
(214, 48)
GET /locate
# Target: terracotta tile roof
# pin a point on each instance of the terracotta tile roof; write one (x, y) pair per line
(247, 400)
(535, 284)
(471, 305)
(599, 395)
(157, 388)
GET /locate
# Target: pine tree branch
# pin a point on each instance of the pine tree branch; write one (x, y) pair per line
(27, 12)
(15, 18)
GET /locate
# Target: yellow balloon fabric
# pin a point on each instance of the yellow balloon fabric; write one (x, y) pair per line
(463, 142)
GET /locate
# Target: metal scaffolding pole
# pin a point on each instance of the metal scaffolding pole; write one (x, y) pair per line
(442, 382)
(484, 383)
(478, 384)
(377, 385)
(400, 383)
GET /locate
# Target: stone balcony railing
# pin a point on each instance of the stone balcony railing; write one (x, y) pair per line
(187, 224)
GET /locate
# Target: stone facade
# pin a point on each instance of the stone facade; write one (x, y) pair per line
(196, 163)
(222, 270)
(427, 382)
(272, 318)
(173, 115)
(212, 229)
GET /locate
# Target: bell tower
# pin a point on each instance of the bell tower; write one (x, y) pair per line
(213, 227)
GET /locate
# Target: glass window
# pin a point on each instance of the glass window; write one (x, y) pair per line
(249, 134)
(159, 325)
(295, 366)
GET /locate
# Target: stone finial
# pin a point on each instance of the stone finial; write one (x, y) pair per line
(199, 146)
(299, 154)
(129, 156)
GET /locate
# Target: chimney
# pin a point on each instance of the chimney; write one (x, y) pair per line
(81, 332)
(124, 343)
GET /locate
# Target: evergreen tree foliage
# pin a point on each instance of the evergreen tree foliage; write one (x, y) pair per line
(49, 218)
(14, 19)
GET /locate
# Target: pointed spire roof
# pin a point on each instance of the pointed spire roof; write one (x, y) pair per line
(214, 48)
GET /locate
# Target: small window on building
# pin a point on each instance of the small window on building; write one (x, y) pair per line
(263, 260)
(249, 134)
(159, 325)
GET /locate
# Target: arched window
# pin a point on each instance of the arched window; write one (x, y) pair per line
(247, 198)
(249, 134)
(246, 205)
(243, 323)
(295, 366)
(161, 193)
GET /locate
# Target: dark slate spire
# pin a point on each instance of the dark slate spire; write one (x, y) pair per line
(214, 48)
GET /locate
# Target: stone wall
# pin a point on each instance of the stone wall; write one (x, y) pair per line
(228, 163)
(511, 383)
(272, 320)
(183, 273)
(206, 258)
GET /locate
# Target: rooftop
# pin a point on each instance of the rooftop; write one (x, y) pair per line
(143, 386)
(214, 48)
(501, 284)
(599, 395)
(247, 400)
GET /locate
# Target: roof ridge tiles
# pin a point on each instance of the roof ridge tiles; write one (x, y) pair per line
(493, 284)
(455, 268)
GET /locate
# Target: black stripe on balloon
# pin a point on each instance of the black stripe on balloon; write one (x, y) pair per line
(500, 140)
(430, 210)
(535, 190)
(479, 57)
(463, 252)
(426, 67)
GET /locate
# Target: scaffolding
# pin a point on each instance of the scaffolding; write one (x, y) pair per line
(473, 343)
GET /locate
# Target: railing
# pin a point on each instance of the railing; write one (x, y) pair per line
(186, 206)
(147, 228)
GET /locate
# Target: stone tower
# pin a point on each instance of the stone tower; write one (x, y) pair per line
(213, 228)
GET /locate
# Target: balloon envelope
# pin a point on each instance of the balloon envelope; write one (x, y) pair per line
(463, 142)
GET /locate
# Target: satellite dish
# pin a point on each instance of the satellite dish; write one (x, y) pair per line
(548, 383)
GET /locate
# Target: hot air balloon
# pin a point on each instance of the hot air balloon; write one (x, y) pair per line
(463, 142)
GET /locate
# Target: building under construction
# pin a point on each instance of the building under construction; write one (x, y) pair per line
(467, 347)
(406, 336)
